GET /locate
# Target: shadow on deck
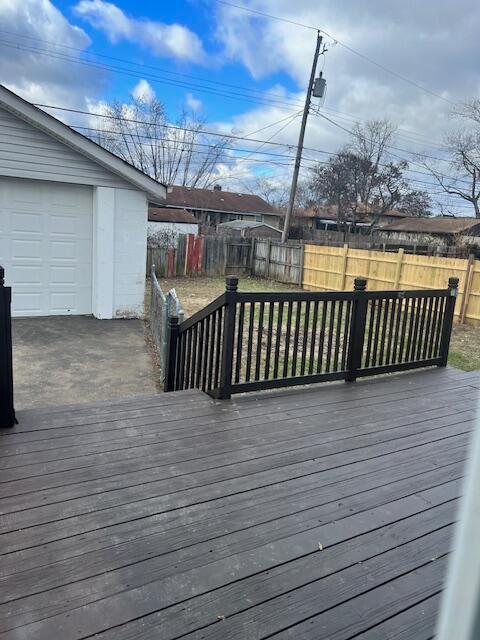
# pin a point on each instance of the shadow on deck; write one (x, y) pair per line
(322, 513)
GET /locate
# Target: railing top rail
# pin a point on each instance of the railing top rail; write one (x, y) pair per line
(312, 296)
(203, 313)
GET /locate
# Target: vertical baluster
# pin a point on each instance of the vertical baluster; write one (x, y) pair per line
(194, 356)
(306, 325)
(384, 332)
(199, 364)
(338, 332)
(428, 328)
(188, 359)
(331, 325)
(269, 340)
(372, 307)
(206, 351)
(238, 357)
(376, 338)
(258, 353)
(396, 334)
(403, 330)
(218, 347)
(296, 338)
(211, 353)
(179, 363)
(411, 318)
(393, 311)
(286, 355)
(251, 318)
(421, 329)
(431, 338)
(321, 338)
(415, 329)
(346, 335)
(311, 359)
(438, 330)
(278, 339)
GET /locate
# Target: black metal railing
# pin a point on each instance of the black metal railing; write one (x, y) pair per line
(7, 411)
(251, 341)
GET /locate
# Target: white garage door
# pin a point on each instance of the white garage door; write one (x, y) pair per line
(46, 246)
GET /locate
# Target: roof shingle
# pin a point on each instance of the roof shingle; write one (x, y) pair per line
(217, 200)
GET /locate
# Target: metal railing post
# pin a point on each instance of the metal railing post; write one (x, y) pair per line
(448, 320)
(225, 389)
(7, 411)
(357, 330)
(171, 353)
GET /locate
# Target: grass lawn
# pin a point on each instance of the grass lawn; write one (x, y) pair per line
(196, 292)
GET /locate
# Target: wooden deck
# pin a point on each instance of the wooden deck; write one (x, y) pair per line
(324, 513)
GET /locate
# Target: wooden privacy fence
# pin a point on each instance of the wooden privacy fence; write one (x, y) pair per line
(277, 261)
(251, 341)
(201, 255)
(334, 268)
(7, 411)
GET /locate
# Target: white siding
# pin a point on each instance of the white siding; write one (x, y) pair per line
(130, 249)
(27, 152)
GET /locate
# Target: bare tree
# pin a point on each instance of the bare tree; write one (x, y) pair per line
(141, 134)
(276, 192)
(460, 175)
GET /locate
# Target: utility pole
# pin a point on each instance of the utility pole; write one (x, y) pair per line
(298, 159)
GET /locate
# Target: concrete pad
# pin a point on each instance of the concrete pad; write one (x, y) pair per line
(75, 359)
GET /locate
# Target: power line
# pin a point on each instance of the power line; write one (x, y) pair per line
(279, 104)
(263, 97)
(224, 136)
(342, 44)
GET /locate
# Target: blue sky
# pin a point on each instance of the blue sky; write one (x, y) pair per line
(216, 66)
(401, 61)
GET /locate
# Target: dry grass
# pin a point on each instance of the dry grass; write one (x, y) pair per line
(198, 291)
(465, 347)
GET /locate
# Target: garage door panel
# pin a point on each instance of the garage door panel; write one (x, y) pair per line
(47, 252)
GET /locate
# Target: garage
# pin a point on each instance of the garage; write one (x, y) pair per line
(46, 240)
(73, 219)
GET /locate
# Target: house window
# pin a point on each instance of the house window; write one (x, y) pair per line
(258, 218)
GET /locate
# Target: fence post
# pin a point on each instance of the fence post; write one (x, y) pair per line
(171, 351)
(344, 267)
(357, 330)
(467, 288)
(7, 411)
(448, 320)
(224, 392)
(398, 269)
(267, 258)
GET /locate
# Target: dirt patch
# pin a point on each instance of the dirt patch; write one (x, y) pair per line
(196, 292)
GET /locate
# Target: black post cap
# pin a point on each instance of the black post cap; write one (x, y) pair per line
(231, 283)
(453, 283)
(2, 276)
(360, 284)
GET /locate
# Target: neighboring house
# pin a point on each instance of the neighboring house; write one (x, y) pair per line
(73, 218)
(435, 230)
(214, 206)
(165, 225)
(248, 229)
(325, 218)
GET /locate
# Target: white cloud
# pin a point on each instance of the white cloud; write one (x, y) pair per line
(38, 77)
(193, 103)
(170, 40)
(143, 90)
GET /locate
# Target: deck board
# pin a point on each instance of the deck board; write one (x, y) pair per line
(181, 517)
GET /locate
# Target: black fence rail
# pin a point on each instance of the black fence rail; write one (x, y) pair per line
(252, 341)
(7, 411)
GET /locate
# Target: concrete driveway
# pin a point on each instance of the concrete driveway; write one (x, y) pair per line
(75, 359)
